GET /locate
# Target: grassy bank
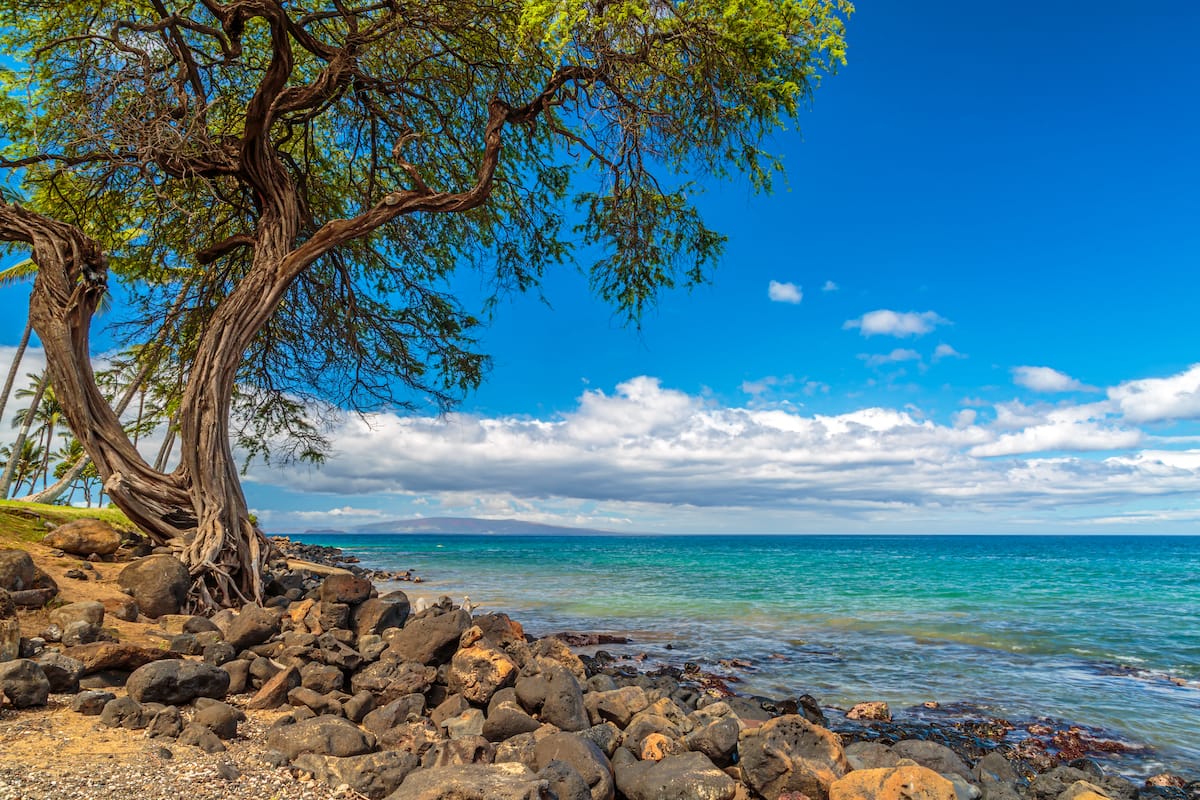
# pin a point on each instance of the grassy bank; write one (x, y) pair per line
(25, 522)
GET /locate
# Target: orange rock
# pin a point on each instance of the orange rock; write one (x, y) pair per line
(876, 709)
(895, 783)
(656, 747)
(298, 611)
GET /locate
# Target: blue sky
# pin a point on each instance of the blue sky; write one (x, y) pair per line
(969, 311)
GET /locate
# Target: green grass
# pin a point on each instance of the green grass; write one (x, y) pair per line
(24, 522)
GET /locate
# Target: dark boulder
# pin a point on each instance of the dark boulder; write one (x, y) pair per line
(717, 740)
(565, 781)
(176, 682)
(91, 703)
(202, 737)
(790, 754)
(429, 637)
(389, 680)
(158, 583)
(24, 683)
(584, 756)
(345, 587)
(166, 724)
(220, 718)
(125, 712)
(325, 735)
(18, 574)
(474, 782)
(563, 704)
(689, 776)
(252, 626)
(63, 672)
(373, 775)
(274, 690)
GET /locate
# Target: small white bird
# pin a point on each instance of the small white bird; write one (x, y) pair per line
(467, 605)
(422, 604)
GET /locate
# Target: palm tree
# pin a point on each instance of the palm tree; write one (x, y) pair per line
(23, 465)
(17, 272)
(25, 422)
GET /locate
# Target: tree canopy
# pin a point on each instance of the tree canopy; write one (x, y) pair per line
(286, 187)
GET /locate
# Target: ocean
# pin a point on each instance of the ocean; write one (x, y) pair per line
(1102, 631)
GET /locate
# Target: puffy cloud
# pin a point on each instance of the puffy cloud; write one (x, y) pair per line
(1046, 379)
(829, 286)
(885, 322)
(965, 418)
(896, 356)
(946, 351)
(668, 459)
(1160, 399)
(784, 292)
(1070, 436)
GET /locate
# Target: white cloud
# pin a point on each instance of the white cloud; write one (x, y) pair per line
(896, 356)
(965, 418)
(668, 459)
(784, 292)
(1160, 399)
(764, 385)
(1046, 379)
(946, 351)
(895, 323)
(829, 286)
(1060, 436)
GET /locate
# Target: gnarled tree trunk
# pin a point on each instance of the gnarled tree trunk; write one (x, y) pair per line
(199, 509)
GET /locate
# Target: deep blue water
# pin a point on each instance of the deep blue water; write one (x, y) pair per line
(1081, 629)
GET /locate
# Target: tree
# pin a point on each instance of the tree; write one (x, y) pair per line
(309, 175)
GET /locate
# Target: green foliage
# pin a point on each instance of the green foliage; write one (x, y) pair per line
(131, 126)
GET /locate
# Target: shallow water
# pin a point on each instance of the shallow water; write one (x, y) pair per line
(1080, 629)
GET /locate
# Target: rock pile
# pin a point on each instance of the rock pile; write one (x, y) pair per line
(437, 704)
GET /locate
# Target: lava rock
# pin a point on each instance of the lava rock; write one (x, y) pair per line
(84, 537)
(374, 775)
(18, 574)
(563, 705)
(176, 682)
(790, 754)
(936, 757)
(90, 612)
(430, 637)
(324, 735)
(582, 754)
(473, 782)
(690, 776)
(104, 656)
(91, 703)
(480, 670)
(345, 587)
(24, 683)
(252, 626)
(894, 783)
(166, 724)
(125, 712)
(158, 583)
(389, 680)
(275, 690)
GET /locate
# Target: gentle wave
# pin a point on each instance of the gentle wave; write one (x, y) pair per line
(1099, 630)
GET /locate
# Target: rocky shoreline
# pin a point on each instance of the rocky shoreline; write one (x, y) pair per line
(335, 690)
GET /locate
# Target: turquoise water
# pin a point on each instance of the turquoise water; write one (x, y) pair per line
(1089, 630)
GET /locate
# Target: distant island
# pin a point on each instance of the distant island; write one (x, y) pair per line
(468, 525)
